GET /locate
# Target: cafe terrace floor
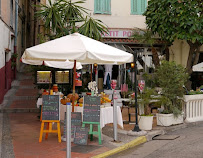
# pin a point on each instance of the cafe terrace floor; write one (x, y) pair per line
(20, 137)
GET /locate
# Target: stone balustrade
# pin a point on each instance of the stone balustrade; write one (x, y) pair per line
(193, 108)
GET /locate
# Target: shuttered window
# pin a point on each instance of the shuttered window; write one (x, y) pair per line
(138, 7)
(102, 6)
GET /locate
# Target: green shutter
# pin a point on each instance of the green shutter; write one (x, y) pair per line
(143, 6)
(97, 6)
(102, 6)
(106, 6)
(138, 6)
(134, 6)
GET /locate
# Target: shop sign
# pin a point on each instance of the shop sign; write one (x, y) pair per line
(118, 34)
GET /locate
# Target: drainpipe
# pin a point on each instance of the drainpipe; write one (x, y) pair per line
(16, 32)
(34, 30)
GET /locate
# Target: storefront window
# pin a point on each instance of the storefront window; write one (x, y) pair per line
(62, 76)
(44, 77)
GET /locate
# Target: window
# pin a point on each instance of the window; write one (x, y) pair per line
(102, 6)
(138, 7)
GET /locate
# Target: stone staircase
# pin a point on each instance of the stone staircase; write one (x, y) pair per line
(22, 96)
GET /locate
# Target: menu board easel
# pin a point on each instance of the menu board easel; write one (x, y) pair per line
(80, 136)
(91, 115)
(50, 114)
(76, 121)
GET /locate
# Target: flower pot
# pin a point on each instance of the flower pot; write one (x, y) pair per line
(178, 120)
(92, 93)
(145, 122)
(164, 119)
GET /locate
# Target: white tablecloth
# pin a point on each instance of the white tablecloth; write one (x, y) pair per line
(39, 102)
(106, 114)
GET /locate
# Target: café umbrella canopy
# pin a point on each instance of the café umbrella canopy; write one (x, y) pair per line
(76, 47)
(198, 67)
(55, 64)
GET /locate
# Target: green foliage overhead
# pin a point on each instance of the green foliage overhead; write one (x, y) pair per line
(176, 19)
(61, 17)
(171, 78)
(147, 37)
(144, 36)
(92, 28)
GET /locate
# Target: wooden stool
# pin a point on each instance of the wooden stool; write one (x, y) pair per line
(49, 129)
(91, 132)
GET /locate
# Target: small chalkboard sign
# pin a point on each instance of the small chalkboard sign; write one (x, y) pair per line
(76, 121)
(92, 100)
(91, 109)
(80, 135)
(50, 108)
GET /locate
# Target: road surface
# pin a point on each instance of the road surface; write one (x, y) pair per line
(188, 145)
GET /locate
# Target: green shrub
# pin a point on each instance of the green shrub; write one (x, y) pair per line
(171, 78)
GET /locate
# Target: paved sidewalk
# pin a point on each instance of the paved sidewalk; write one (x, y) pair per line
(20, 128)
(23, 127)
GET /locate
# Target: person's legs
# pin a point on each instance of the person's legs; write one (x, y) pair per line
(108, 82)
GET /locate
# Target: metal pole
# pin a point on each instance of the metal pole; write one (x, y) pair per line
(132, 77)
(119, 76)
(96, 76)
(16, 31)
(91, 72)
(125, 73)
(136, 128)
(74, 77)
(68, 130)
(114, 117)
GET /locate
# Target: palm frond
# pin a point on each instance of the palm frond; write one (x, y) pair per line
(93, 28)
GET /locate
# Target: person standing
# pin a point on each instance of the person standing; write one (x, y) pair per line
(108, 75)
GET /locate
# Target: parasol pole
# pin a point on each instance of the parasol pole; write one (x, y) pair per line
(91, 72)
(74, 76)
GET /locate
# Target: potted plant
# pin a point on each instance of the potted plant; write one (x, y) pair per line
(171, 78)
(124, 90)
(145, 116)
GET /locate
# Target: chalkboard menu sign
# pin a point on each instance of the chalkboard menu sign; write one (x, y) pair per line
(76, 121)
(92, 100)
(50, 108)
(91, 109)
(81, 135)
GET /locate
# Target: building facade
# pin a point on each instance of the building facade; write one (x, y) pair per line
(121, 17)
(7, 25)
(18, 28)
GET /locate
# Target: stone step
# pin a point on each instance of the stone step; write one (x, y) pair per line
(19, 110)
(24, 97)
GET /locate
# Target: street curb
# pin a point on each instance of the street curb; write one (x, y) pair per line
(133, 143)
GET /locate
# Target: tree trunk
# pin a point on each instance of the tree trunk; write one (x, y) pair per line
(141, 61)
(194, 49)
(167, 53)
(155, 57)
